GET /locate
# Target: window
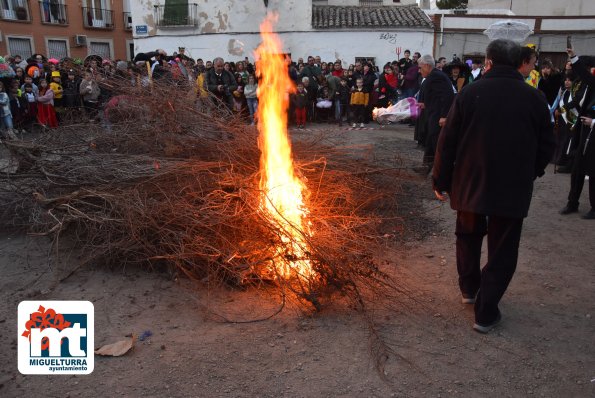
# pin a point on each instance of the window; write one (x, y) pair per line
(53, 12)
(96, 14)
(16, 10)
(21, 46)
(57, 48)
(175, 12)
(101, 48)
(364, 60)
(370, 2)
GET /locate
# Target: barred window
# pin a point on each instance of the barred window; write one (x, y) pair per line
(20, 46)
(100, 48)
(57, 48)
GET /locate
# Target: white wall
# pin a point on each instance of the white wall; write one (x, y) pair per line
(356, 2)
(329, 45)
(468, 43)
(539, 7)
(227, 16)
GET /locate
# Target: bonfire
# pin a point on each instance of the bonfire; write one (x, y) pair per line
(197, 190)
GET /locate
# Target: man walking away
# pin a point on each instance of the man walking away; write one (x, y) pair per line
(437, 99)
(498, 138)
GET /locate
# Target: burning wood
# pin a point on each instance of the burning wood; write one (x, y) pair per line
(184, 189)
(282, 191)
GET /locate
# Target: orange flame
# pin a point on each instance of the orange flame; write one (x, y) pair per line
(282, 192)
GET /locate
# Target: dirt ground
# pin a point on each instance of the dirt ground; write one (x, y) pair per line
(545, 346)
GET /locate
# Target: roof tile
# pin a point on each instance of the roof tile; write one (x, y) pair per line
(337, 17)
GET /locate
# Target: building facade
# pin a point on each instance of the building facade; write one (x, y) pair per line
(333, 29)
(66, 28)
(552, 8)
(551, 22)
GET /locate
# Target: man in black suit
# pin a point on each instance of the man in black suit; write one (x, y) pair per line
(438, 95)
(584, 160)
(220, 82)
(498, 138)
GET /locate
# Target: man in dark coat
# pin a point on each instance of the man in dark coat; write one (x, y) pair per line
(220, 82)
(584, 160)
(438, 95)
(498, 138)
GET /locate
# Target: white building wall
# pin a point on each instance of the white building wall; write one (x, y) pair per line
(476, 43)
(538, 7)
(227, 16)
(346, 3)
(343, 45)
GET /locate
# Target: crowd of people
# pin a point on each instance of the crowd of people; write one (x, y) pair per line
(41, 92)
(45, 92)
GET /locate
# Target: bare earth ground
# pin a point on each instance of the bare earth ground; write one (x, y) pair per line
(544, 347)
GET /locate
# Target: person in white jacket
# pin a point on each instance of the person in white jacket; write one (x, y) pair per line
(5, 114)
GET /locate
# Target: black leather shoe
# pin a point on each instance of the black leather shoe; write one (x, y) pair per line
(569, 209)
(590, 215)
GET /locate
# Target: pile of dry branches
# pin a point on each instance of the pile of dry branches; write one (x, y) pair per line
(167, 179)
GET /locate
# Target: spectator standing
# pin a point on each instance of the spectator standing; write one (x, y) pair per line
(89, 91)
(475, 73)
(410, 80)
(387, 85)
(46, 115)
(358, 104)
(438, 95)
(405, 62)
(337, 69)
(18, 108)
(31, 98)
(584, 160)
(5, 114)
(251, 93)
(342, 99)
(550, 82)
(301, 102)
(71, 94)
(56, 86)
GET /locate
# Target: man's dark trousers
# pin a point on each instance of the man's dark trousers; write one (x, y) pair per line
(489, 283)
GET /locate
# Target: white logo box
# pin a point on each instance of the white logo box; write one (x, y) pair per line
(79, 358)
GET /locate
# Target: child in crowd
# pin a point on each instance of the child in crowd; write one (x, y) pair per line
(344, 96)
(18, 108)
(56, 86)
(359, 102)
(300, 102)
(31, 99)
(251, 91)
(46, 115)
(238, 95)
(89, 90)
(71, 96)
(323, 102)
(5, 114)
(29, 80)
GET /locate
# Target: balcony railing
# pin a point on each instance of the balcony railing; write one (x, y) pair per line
(53, 13)
(15, 10)
(127, 21)
(367, 3)
(98, 18)
(173, 15)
